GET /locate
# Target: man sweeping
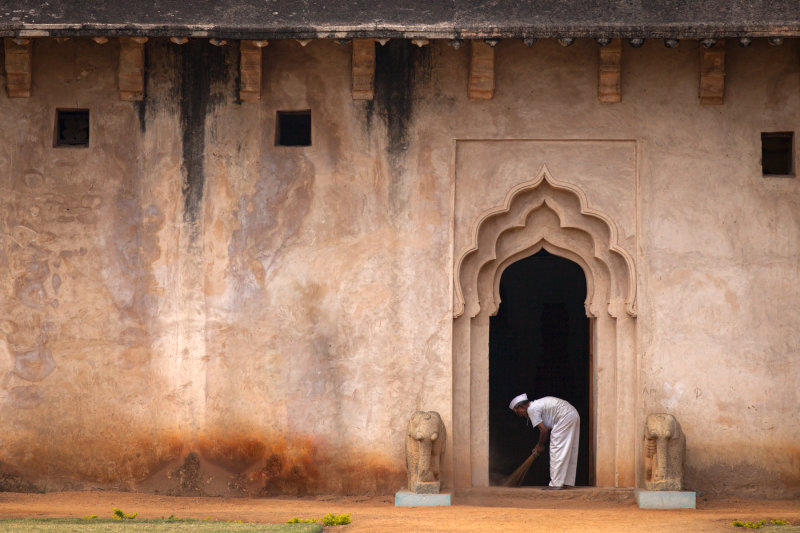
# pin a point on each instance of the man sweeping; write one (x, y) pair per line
(560, 421)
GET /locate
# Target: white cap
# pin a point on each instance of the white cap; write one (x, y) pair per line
(521, 398)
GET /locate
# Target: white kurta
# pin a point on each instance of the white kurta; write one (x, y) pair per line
(564, 424)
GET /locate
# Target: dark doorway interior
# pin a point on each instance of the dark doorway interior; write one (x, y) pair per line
(538, 344)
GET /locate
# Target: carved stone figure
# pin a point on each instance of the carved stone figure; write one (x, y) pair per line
(664, 449)
(425, 440)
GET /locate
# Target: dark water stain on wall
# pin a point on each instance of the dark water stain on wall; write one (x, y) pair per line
(401, 68)
(395, 76)
(237, 71)
(141, 113)
(141, 106)
(202, 64)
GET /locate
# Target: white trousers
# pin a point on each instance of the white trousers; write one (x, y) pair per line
(564, 438)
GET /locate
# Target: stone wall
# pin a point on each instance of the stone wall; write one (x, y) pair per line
(183, 284)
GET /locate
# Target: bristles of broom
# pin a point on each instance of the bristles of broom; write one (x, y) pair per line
(518, 475)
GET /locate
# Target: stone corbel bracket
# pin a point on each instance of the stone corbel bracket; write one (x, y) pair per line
(712, 74)
(363, 74)
(18, 53)
(131, 68)
(481, 71)
(601, 257)
(609, 83)
(250, 70)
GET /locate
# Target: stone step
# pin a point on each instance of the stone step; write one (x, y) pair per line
(531, 496)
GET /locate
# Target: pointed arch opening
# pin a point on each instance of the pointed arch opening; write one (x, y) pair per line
(545, 214)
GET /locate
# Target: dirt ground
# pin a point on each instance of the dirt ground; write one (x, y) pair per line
(475, 511)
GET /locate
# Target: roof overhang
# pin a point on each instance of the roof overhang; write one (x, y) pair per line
(440, 19)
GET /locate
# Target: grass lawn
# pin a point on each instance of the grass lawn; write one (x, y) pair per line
(96, 525)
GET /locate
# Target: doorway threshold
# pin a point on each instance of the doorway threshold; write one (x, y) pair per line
(538, 496)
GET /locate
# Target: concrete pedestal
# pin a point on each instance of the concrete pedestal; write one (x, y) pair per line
(665, 499)
(405, 498)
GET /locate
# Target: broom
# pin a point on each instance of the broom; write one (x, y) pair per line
(518, 475)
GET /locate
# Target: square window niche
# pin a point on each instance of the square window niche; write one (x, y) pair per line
(293, 128)
(777, 151)
(72, 128)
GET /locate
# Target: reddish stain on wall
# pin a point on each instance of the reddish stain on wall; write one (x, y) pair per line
(228, 465)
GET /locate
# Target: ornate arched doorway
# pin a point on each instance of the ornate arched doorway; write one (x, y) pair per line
(546, 214)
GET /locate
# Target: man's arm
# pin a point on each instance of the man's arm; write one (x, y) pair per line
(543, 434)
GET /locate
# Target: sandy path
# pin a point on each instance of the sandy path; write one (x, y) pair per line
(475, 513)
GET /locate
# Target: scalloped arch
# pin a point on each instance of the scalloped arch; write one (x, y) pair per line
(544, 213)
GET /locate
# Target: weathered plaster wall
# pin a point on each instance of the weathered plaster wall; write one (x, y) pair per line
(185, 285)
(83, 262)
(720, 345)
(319, 316)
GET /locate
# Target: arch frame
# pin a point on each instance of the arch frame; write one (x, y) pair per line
(544, 213)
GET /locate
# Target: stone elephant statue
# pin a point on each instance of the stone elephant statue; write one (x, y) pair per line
(664, 447)
(425, 441)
